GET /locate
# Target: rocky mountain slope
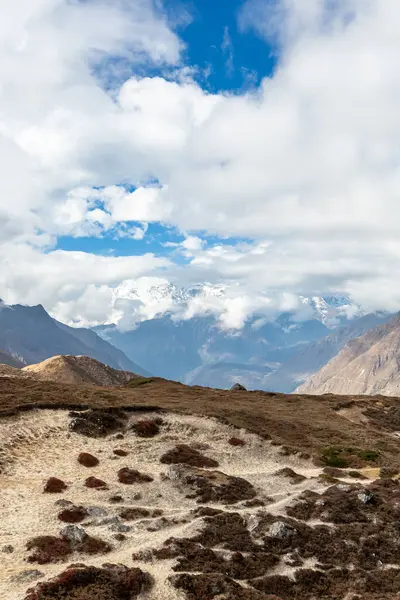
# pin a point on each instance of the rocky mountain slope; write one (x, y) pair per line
(78, 370)
(30, 335)
(133, 495)
(369, 364)
(8, 359)
(310, 358)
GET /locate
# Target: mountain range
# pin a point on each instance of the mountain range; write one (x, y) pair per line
(277, 355)
(273, 356)
(29, 335)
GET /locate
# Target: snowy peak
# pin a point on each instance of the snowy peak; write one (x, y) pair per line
(333, 310)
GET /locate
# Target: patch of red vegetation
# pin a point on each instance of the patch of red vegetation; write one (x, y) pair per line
(91, 545)
(234, 441)
(183, 454)
(291, 475)
(48, 549)
(130, 476)
(148, 428)
(207, 511)
(131, 514)
(52, 549)
(54, 486)
(255, 502)
(119, 452)
(93, 482)
(214, 486)
(111, 582)
(75, 514)
(116, 499)
(87, 460)
(215, 585)
(98, 423)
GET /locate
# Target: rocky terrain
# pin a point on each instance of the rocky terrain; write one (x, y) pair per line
(162, 491)
(366, 365)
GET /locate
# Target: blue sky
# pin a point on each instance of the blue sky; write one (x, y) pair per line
(227, 59)
(236, 58)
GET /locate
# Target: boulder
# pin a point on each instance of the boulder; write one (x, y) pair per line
(238, 387)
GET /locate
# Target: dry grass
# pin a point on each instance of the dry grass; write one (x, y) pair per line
(302, 423)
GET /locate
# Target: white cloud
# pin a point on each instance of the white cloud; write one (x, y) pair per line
(67, 283)
(192, 243)
(227, 50)
(306, 167)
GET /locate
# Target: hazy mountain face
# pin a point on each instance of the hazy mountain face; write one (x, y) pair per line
(369, 364)
(198, 352)
(275, 356)
(29, 334)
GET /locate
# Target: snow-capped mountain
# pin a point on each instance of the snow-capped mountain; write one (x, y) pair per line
(333, 310)
(210, 334)
(147, 298)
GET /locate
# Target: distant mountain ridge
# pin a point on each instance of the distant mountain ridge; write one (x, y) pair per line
(31, 335)
(174, 349)
(369, 364)
(273, 356)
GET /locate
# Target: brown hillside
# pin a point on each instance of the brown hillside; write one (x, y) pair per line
(78, 370)
(298, 422)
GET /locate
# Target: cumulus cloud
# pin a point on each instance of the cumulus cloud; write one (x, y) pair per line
(306, 167)
(68, 282)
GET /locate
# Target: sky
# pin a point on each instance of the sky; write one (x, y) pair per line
(250, 148)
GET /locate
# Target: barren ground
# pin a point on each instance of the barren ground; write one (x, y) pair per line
(270, 524)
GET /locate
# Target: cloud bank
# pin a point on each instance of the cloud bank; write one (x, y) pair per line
(305, 168)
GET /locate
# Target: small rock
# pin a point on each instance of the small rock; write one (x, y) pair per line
(96, 511)
(63, 503)
(115, 524)
(74, 534)
(27, 575)
(175, 472)
(8, 549)
(281, 530)
(365, 497)
(253, 522)
(238, 387)
(344, 487)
